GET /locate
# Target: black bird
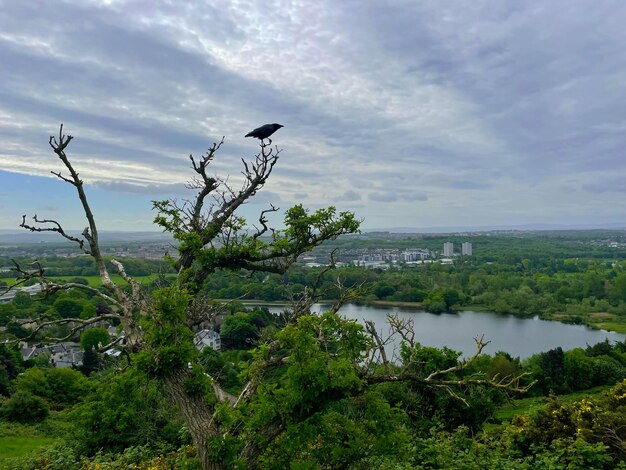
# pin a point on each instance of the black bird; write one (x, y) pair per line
(264, 132)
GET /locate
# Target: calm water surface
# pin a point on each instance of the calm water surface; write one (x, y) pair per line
(517, 336)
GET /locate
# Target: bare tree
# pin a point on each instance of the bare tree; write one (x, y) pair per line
(211, 236)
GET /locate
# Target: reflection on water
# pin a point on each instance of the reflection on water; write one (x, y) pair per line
(518, 336)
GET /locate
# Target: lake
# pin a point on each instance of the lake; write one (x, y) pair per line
(521, 337)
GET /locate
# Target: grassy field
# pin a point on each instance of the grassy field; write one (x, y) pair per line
(617, 326)
(12, 447)
(527, 405)
(94, 281)
(20, 440)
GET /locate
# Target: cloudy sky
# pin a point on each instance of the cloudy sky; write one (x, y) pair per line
(411, 114)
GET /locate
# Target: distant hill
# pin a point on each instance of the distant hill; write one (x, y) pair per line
(14, 237)
(494, 228)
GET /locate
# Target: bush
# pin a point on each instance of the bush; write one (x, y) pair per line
(221, 370)
(94, 337)
(68, 308)
(24, 407)
(55, 457)
(123, 411)
(59, 386)
(238, 332)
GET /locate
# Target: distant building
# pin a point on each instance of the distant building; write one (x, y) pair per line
(65, 355)
(31, 290)
(414, 255)
(466, 249)
(448, 249)
(207, 338)
(61, 355)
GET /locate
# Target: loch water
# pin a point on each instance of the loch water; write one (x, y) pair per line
(520, 337)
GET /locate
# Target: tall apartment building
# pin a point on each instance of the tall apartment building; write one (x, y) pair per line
(466, 249)
(448, 249)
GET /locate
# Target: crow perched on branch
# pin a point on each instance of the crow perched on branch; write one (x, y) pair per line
(264, 132)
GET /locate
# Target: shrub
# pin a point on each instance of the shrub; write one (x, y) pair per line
(58, 386)
(24, 407)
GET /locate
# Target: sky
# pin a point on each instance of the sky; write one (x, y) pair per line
(408, 113)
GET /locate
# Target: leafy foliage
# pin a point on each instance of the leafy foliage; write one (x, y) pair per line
(24, 407)
(10, 366)
(60, 387)
(121, 411)
(94, 338)
(239, 332)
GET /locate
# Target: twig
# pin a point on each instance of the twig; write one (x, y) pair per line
(82, 324)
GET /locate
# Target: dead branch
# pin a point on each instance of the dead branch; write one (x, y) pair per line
(24, 276)
(403, 327)
(126, 305)
(480, 345)
(91, 232)
(203, 310)
(263, 221)
(222, 395)
(81, 325)
(136, 290)
(207, 185)
(435, 379)
(347, 294)
(256, 174)
(380, 344)
(56, 228)
(51, 287)
(110, 345)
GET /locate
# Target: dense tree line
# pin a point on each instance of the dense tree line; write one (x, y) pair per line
(569, 288)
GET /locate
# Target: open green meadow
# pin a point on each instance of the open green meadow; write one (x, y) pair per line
(13, 447)
(529, 405)
(21, 440)
(94, 281)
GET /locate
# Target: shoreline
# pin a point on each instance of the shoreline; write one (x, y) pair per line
(616, 328)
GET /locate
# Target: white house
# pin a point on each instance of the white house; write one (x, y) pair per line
(208, 338)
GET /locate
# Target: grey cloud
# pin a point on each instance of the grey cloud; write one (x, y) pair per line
(395, 197)
(467, 184)
(526, 73)
(349, 196)
(383, 197)
(505, 92)
(415, 197)
(154, 189)
(266, 197)
(150, 71)
(614, 184)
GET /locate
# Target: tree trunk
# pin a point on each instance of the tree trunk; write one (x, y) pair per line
(197, 415)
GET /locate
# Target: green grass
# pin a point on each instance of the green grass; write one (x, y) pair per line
(14, 446)
(94, 281)
(20, 440)
(528, 405)
(618, 327)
